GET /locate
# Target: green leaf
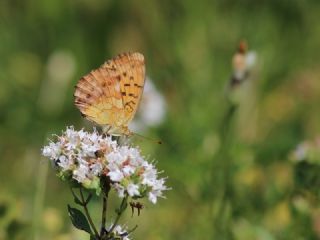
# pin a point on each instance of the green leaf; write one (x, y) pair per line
(79, 220)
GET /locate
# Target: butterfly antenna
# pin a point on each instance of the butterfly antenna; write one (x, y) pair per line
(150, 139)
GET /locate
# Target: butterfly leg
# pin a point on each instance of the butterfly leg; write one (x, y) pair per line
(106, 129)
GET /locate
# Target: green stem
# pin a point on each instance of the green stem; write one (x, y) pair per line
(121, 210)
(88, 214)
(223, 156)
(104, 213)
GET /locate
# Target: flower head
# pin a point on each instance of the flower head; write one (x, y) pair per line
(87, 158)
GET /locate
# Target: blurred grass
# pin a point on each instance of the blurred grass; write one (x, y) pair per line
(46, 46)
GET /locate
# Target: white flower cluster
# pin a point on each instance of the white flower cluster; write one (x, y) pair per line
(87, 157)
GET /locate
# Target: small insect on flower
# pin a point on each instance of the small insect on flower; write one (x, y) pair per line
(136, 205)
(110, 95)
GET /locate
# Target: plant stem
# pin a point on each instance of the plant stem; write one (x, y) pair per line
(121, 210)
(223, 156)
(104, 213)
(88, 214)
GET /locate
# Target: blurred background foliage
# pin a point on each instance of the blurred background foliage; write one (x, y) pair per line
(243, 186)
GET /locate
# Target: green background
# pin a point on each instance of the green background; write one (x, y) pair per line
(241, 186)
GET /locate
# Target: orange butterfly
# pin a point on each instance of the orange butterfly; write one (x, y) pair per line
(110, 95)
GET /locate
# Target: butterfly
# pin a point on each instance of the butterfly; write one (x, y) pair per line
(110, 95)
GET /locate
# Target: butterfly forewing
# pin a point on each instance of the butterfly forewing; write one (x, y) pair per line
(110, 95)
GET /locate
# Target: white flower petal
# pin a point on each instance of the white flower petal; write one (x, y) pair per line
(116, 176)
(133, 190)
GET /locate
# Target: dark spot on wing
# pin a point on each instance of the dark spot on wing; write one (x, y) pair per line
(132, 95)
(129, 103)
(137, 85)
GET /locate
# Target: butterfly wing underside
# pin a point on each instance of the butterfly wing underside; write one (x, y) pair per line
(110, 95)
